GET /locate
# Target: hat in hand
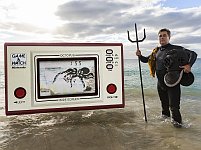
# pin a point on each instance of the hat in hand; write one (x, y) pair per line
(187, 79)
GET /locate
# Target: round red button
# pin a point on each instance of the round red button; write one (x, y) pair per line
(20, 92)
(111, 88)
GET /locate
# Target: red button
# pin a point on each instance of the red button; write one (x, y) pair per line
(111, 88)
(20, 92)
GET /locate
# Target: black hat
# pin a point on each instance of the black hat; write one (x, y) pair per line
(173, 78)
(187, 79)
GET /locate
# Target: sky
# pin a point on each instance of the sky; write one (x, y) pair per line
(104, 21)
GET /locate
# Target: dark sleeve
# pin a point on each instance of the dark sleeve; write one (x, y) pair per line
(192, 57)
(144, 59)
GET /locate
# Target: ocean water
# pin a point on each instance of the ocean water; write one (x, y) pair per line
(111, 129)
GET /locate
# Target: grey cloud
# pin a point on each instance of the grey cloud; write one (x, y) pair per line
(95, 17)
(190, 39)
(88, 18)
(89, 10)
(82, 29)
(181, 19)
(158, 17)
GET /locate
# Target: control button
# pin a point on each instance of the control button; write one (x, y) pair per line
(111, 88)
(20, 92)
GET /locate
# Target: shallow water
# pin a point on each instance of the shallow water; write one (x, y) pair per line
(111, 129)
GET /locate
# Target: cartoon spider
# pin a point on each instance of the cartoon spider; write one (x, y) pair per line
(83, 73)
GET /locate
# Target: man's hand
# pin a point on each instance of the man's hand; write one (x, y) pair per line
(187, 68)
(138, 52)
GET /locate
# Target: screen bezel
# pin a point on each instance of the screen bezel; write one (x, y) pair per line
(37, 77)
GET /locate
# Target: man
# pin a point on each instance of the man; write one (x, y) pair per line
(169, 96)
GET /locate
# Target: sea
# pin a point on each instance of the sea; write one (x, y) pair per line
(109, 129)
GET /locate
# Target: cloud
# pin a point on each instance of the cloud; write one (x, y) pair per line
(107, 17)
(106, 21)
(87, 10)
(89, 18)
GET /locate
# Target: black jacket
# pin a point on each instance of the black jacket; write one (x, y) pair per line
(164, 55)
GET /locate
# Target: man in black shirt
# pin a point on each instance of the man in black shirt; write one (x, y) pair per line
(169, 96)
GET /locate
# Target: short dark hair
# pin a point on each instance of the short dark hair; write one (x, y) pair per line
(165, 29)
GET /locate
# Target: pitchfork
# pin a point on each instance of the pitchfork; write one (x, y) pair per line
(137, 41)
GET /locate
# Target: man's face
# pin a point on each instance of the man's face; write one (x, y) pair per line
(163, 38)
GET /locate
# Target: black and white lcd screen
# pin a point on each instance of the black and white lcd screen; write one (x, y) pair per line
(66, 77)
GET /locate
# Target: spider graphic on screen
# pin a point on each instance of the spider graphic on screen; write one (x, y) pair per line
(83, 73)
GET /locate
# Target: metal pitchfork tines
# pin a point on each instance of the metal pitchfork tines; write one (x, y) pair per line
(137, 41)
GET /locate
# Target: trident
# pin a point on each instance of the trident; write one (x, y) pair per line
(137, 41)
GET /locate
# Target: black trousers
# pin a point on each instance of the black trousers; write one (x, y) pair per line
(170, 99)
